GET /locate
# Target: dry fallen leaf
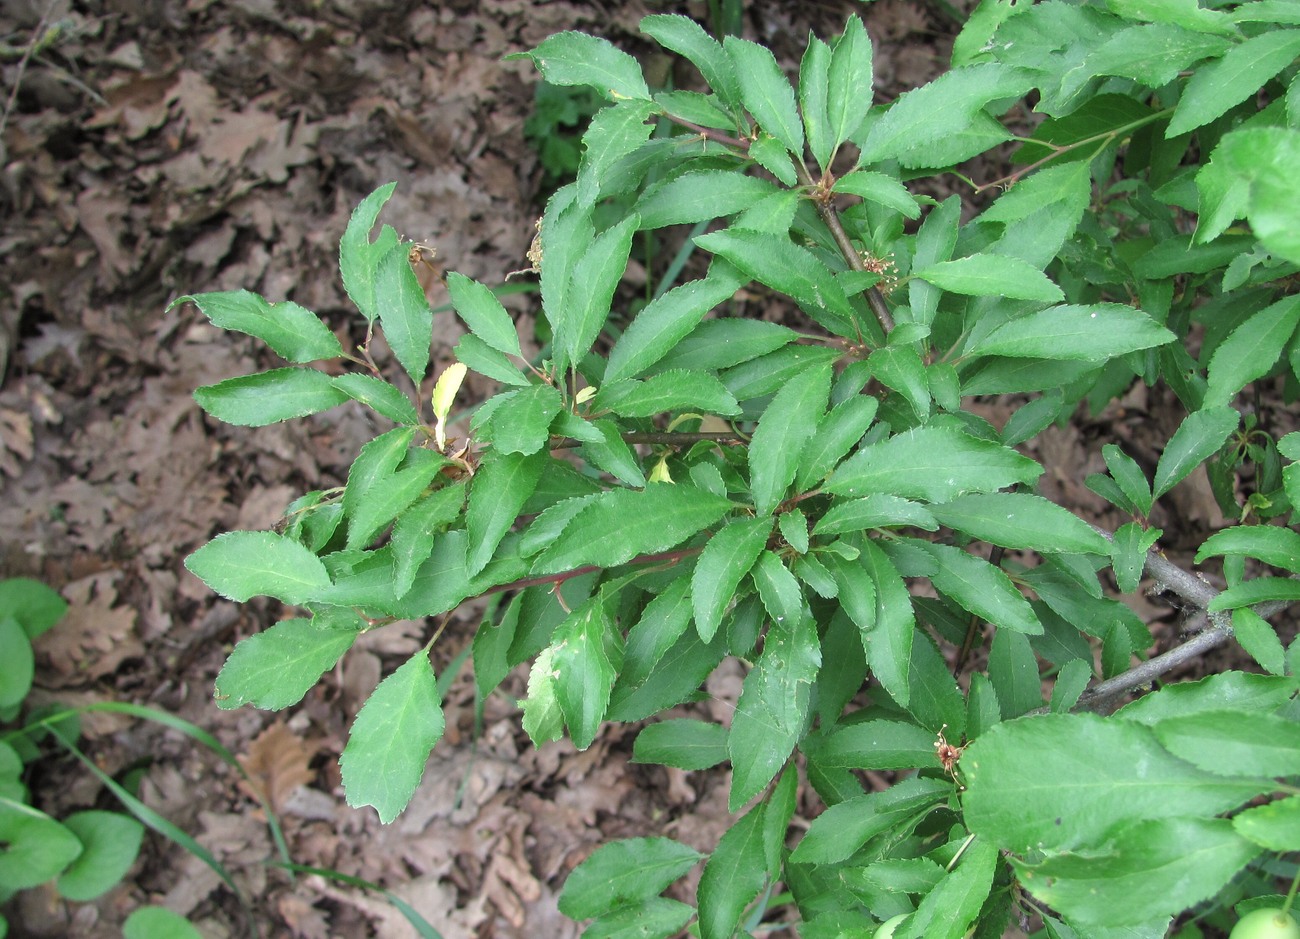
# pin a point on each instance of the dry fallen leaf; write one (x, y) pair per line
(277, 762)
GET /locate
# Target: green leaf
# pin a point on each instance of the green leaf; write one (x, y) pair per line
(624, 872)
(1225, 691)
(20, 662)
(273, 669)
(931, 463)
(1071, 681)
(521, 424)
(888, 641)
(1154, 868)
(939, 108)
(664, 322)
(543, 721)
(1094, 333)
(1278, 547)
(951, 909)
(1130, 477)
(766, 92)
(293, 331)
(839, 831)
(725, 560)
(501, 486)
(900, 369)
(391, 739)
(700, 196)
(1129, 554)
(672, 390)
(110, 842)
(1069, 184)
(612, 454)
(612, 135)
(374, 510)
(686, 37)
(378, 395)
(404, 312)
(35, 605)
(1257, 636)
(474, 353)
(656, 917)
(1188, 14)
(771, 155)
(1250, 350)
(875, 511)
(595, 278)
(880, 189)
(773, 708)
(156, 922)
(733, 876)
(1197, 438)
(1013, 672)
(586, 657)
(770, 373)
(268, 397)
(1020, 520)
(1257, 590)
(683, 742)
(359, 257)
(814, 74)
(1275, 826)
(1234, 743)
(787, 424)
(779, 263)
(36, 847)
(778, 589)
(1079, 794)
(623, 523)
(876, 744)
(573, 58)
(849, 89)
(992, 275)
(483, 313)
(1153, 53)
(837, 433)
(1266, 157)
(1215, 88)
(983, 589)
(243, 564)
(723, 343)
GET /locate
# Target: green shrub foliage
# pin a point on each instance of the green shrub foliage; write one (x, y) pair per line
(672, 484)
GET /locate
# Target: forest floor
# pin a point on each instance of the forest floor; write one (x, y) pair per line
(157, 148)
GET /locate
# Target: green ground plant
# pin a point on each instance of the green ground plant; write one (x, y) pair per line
(818, 501)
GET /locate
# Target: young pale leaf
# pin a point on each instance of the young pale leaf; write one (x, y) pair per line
(613, 134)
(1151, 870)
(573, 58)
(725, 560)
(814, 74)
(1197, 438)
(983, 589)
(779, 263)
(378, 395)
(766, 93)
(623, 523)
(667, 320)
(992, 275)
(110, 842)
(786, 426)
(1225, 83)
(686, 37)
(1020, 520)
(624, 872)
(404, 312)
(733, 876)
(939, 108)
(293, 331)
(483, 313)
(837, 433)
(1278, 547)
(243, 564)
(391, 739)
(931, 463)
(359, 256)
(1096, 332)
(268, 397)
(1250, 350)
(672, 390)
(849, 88)
(881, 189)
(586, 657)
(273, 669)
(595, 278)
(700, 196)
(1078, 793)
(684, 743)
(773, 707)
(500, 488)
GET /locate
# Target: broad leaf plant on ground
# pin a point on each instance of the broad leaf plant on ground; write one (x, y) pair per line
(672, 485)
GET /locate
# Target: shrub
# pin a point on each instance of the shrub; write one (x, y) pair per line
(697, 485)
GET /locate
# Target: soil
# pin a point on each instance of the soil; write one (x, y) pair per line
(157, 148)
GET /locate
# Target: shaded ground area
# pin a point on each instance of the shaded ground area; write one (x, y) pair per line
(163, 147)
